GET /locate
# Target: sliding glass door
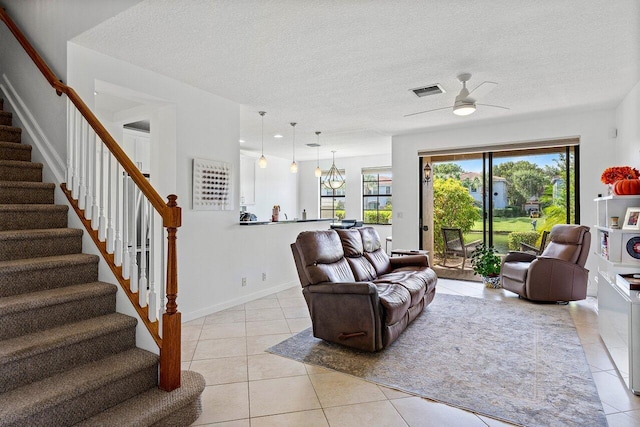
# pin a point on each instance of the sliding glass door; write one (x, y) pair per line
(502, 198)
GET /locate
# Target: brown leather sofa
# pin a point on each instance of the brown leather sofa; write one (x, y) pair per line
(358, 296)
(558, 274)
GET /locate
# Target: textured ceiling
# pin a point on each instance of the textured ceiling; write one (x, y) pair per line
(345, 67)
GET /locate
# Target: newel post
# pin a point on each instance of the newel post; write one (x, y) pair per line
(171, 319)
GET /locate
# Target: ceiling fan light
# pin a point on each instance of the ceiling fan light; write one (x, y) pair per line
(464, 109)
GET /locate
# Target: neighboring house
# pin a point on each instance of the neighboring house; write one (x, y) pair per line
(473, 182)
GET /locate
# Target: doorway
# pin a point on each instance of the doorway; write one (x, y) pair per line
(499, 196)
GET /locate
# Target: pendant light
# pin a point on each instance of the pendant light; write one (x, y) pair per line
(294, 166)
(334, 178)
(318, 171)
(262, 162)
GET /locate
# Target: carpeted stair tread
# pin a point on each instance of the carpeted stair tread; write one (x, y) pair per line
(37, 274)
(29, 217)
(69, 397)
(6, 118)
(27, 313)
(26, 192)
(153, 407)
(15, 151)
(17, 170)
(23, 244)
(10, 133)
(40, 342)
(38, 355)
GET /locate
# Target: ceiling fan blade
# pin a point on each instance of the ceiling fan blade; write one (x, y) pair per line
(428, 111)
(483, 89)
(495, 106)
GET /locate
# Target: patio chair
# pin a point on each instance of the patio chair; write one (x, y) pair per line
(454, 245)
(525, 247)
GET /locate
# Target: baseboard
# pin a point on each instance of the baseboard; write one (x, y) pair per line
(29, 124)
(186, 317)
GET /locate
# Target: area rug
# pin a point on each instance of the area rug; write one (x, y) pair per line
(512, 360)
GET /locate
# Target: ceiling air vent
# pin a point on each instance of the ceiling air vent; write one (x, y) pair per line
(313, 145)
(428, 90)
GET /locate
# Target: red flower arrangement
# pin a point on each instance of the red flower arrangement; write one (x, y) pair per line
(616, 173)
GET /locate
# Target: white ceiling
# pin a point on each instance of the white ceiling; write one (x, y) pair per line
(345, 67)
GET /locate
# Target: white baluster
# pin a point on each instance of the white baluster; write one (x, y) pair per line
(102, 221)
(133, 237)
(70, 146)
(110, 214)
(75, 184)
(91, 175)
(142, 285)
(153, 297)
(97, 189)
(82, 195)
(126, 259)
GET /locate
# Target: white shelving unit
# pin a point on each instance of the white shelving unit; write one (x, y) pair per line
(618, 307)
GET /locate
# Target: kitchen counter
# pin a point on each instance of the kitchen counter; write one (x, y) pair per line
(289, 221)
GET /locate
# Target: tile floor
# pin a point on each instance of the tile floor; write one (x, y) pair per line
(248, 387)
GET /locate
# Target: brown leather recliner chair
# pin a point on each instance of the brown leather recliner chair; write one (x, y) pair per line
(558, 274)
(357, 296)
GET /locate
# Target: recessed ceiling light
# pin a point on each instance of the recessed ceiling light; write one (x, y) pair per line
(95, 92)
(241, 141)
(277, 135)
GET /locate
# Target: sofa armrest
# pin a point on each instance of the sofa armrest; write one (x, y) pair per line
(515, 256)
(552, 279)
(356, 288)
(417, 260)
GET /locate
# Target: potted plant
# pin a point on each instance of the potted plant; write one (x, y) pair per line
(486, 263)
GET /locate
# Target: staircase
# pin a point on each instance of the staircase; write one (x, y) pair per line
(66, 356)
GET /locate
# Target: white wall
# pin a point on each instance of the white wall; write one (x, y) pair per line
(48, 25)
(597, 151)
(276, 185)
(628, 124)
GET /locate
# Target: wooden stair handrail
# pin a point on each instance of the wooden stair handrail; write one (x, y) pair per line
(171, 214)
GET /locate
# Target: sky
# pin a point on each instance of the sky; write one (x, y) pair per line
(476, 165)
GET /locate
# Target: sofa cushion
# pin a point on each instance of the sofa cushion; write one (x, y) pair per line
(322, 255)
(395, 300)
(412, 281)
(361, 268)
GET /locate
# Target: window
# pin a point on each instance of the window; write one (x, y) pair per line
(377, 187)
(332, 201)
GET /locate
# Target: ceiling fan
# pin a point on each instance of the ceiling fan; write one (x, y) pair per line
(466, 101)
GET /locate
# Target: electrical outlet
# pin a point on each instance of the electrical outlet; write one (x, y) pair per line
(264, 276)
(244, 281)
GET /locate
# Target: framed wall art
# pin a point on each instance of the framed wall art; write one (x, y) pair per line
(212, 185)
(632, 219)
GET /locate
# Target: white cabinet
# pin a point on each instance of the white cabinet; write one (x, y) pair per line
(618, 307)
(247, 180)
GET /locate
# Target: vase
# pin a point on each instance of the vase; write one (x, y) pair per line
(492, 282)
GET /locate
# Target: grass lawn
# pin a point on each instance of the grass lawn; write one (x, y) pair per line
(502, 227)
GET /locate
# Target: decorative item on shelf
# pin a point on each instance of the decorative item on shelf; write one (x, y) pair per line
(627, 187)
(613, 222)
(612, 175)
(262, 162)
(318, 171)
(275, 213)
(632, 219)
(486, 263)
(334, 178)
(304, 214)
(294, 166)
